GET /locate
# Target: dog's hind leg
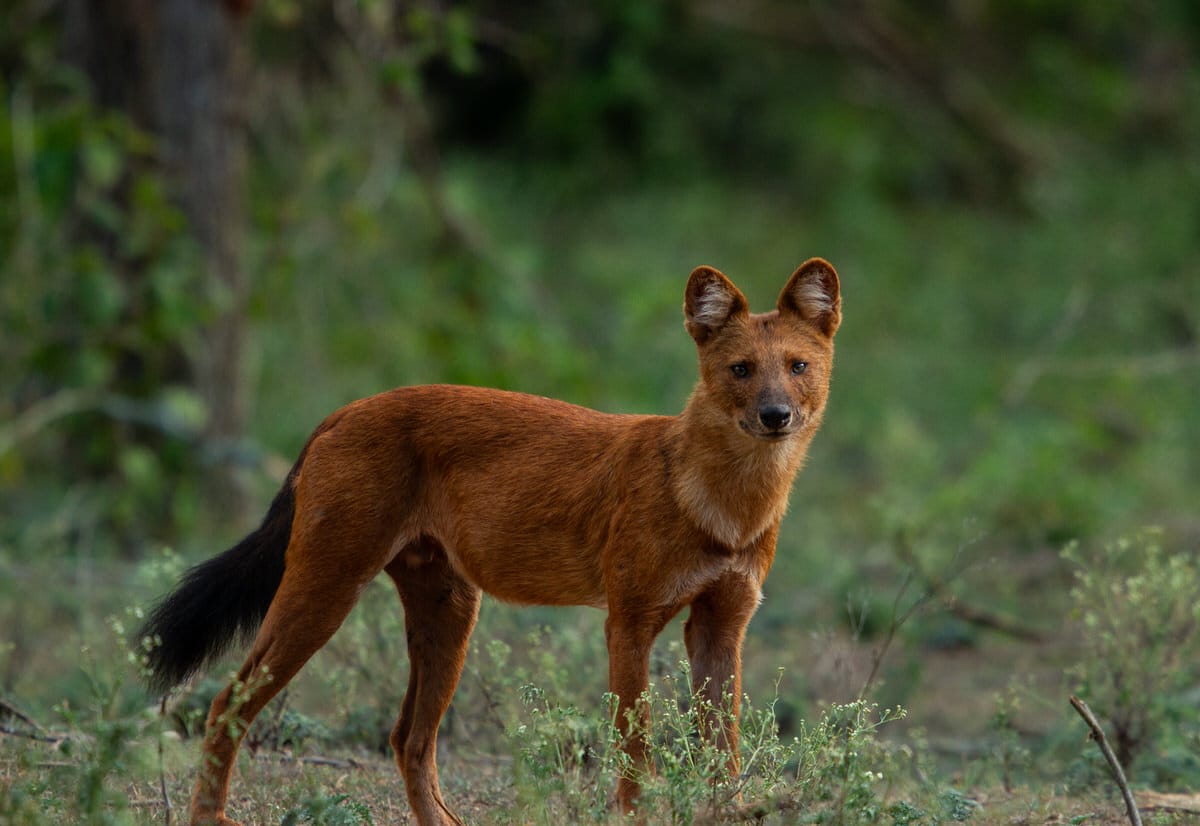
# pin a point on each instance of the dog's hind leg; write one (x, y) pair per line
(440, 608)
(307, 609)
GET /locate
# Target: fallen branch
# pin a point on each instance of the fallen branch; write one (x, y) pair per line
(32, 729)
(33, 735)
(331, 762)
(937, 587)
(985, 619)
(1135, 817)
(9, 710)
(328, 762)
(1164, 802)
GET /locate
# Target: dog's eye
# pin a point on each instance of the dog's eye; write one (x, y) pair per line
(740, 370)
(799, 367)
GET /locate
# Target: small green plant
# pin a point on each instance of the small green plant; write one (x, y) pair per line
(564, 756)
(329, 810)
(1138, 611)
(694, 775)
(1011, 754)
(282, 727)
(956, 806)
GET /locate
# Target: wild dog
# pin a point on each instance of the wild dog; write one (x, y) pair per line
(456, 491)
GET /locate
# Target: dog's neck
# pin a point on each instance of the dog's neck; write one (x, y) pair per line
(733, 486)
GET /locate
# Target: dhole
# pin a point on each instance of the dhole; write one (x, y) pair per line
(453, 491)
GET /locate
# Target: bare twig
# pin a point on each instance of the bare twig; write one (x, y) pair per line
(1135, 817)
(162, 767)
(898, 619)
(932, 588)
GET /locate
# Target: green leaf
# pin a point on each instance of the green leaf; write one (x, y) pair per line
(460, 41)
(103, 160)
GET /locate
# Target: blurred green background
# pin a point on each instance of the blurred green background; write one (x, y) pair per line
(513, 195)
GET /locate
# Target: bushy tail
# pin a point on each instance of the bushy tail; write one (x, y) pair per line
(220, 600)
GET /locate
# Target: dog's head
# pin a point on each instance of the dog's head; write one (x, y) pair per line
(768, 371)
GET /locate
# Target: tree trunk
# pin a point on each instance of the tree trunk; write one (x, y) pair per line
(178, 68)
(200, 86)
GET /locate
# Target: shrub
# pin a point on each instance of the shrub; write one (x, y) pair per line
(834, 770)
(1138, 611)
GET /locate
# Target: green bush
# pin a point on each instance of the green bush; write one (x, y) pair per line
(1137, 610)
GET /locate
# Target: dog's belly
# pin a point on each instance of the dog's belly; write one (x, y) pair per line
(529, 572)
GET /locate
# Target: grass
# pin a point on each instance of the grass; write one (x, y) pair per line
(543, 776)
(528, 738)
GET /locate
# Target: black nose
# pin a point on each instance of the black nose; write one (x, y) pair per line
(774, 416)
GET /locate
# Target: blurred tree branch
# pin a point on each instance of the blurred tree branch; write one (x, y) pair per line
(154, 414)
(865, 29)
(42, 414)
(393, 44)
(870, 36)
(1143, 364)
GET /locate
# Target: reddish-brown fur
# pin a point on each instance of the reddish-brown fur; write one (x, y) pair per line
(455, 491)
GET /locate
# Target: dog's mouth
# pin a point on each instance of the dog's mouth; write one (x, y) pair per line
(757, 431)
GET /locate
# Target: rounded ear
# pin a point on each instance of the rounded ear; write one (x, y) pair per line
(813, 293)
(709, 301)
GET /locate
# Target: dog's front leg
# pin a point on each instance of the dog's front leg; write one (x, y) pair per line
(630, 637)
(713, 633)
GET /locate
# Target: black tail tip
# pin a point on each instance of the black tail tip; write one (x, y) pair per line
(162, 667)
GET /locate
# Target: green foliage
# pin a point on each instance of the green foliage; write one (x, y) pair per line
(835, 770)
(567, 761)
(1137, 606)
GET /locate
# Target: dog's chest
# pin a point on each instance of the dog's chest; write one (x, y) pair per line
(706, 569)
